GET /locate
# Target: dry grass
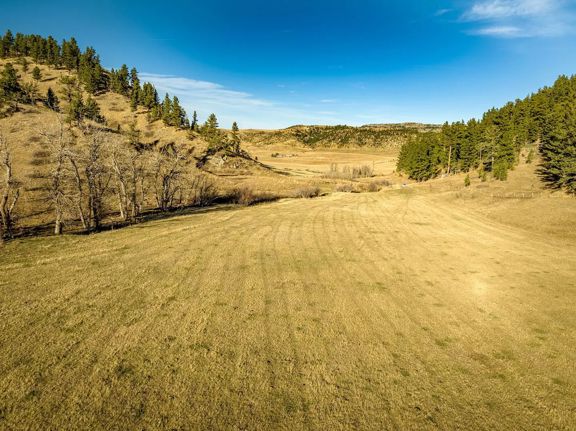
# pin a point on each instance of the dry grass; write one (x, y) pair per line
(427, 307)
(396, 310)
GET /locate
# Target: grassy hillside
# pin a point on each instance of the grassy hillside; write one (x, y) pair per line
(30, 130)
(382, 136)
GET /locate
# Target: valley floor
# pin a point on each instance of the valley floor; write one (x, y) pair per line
(390, 310)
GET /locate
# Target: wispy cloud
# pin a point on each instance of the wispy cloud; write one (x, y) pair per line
(519, 18)
(234, 105)
(202, 92)
(499, 31)
(498, 9)
(442, 12)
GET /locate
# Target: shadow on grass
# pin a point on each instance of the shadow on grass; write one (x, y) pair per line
(220, 204)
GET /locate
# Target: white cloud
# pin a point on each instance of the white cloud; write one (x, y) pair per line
(201, 92)
(519, 18)
(232, 105)
(501, 31)
(496, 9)
(442, 12)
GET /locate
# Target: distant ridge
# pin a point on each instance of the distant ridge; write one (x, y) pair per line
(388, 136)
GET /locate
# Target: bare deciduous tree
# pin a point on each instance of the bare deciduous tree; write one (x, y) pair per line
(97, 176)
(128, 169)
(10, 192)
(168, 168)
(59, 142)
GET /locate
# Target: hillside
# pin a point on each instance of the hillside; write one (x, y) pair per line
(381, 136)
(33, 132)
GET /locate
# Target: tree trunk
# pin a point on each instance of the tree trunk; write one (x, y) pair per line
(58, 223)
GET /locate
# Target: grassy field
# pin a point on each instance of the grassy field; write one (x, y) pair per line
(402, 309)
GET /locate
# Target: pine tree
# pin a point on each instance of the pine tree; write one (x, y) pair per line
(91, 110)
(167, 110)
(119, 81)
(36, 74)
(51, 100)
(52, 52)
(10, 88)
(24, 63)
(7, 44)
(90, 71)
(149, 96)
(194, 122)
(134, 100)
(177, 114)
(558, 147)
(75, 111)
(235, 138)
(70, 54)
(211, 133)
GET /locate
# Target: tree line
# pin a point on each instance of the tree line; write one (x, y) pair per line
(93, 78)
(94, 174)
(492, 145)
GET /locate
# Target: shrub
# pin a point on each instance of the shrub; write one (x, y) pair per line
(373, 186)
(308, 192)
(203, 190)
(344, 188)
(245, 195)
(500, 171)
(364, 171)
(467, 181)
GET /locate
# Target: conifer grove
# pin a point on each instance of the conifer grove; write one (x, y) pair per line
(545, 119)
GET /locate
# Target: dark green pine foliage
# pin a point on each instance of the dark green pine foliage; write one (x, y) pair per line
(75, 111)
(119, 81)
(135, 89)
(7, 45)
(177, 115)
(10, 89)
(558, 146)
(235, 139)
(194, 122)
(92, 110)
(53, 56)
(166, 111)
(210, 131)
(70, 54)
(149, 96)
(36, 74)
(493, 144)
(91, 73)
(423, 156)
(52, 101)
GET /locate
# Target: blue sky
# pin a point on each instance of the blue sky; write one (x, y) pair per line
(269, 64)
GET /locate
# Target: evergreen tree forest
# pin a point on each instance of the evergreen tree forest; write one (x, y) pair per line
(493, 144)
(91, 76)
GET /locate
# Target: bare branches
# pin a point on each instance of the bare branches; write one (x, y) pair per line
(10, 192)
(59, 143)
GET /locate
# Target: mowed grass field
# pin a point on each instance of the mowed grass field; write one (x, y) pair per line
(390, 310)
